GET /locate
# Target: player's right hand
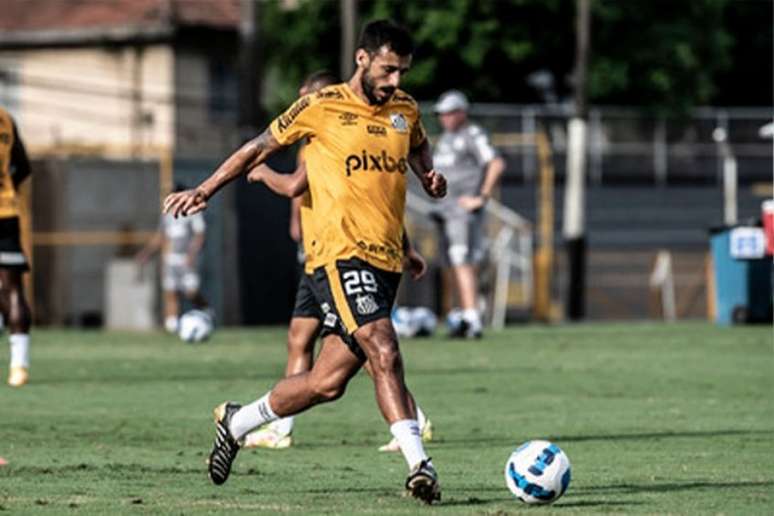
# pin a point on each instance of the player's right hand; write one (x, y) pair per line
(434, 184)
(185, 203)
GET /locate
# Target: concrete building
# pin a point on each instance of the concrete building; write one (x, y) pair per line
(123, 74)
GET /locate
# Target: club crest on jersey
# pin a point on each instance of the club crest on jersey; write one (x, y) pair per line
(399, 122)
(366, 304)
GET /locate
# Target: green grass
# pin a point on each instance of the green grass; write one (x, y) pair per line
(655, 419)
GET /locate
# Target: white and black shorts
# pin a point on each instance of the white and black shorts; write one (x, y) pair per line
(462, 238)
(306, 302)
(178, 276)
(352, 293)
(11, 254)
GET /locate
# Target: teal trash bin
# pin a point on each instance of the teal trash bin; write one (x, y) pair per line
(742, 280)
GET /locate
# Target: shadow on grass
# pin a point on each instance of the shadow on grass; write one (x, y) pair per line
(118, 469)
(205, 376)
(668, 487)
(596, 503)
(612, 437)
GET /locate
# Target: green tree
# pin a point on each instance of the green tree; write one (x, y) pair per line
(662, 55)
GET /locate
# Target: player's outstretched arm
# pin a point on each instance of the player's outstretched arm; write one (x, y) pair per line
(288, 185)
(250, 155)
(421, 161)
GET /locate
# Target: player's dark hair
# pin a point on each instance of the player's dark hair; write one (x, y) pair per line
(379, 33)
(320, 78)
(179, 187)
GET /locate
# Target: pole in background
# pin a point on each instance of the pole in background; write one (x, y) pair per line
(729, 176)
(574, 194)
(544, 255)
(348, 17)
(250, 112)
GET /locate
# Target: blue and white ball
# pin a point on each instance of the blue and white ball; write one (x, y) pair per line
(195, 326)
(425, 321)
(403, 322)
(538, 472)
(453, 319)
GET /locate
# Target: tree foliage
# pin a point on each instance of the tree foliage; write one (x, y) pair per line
(662, 55)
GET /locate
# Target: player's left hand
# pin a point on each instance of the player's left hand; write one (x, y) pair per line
(185, 203)
(414, 264)
(471, 202)
(255, 175)
(434, 184)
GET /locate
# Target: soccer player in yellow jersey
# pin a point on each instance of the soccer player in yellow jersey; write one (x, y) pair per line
(14, 168)
(307, 317)
(363, 137)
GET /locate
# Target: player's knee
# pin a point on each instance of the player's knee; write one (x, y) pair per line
(329, 390)
(382, 349)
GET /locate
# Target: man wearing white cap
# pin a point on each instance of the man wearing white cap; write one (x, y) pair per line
(472, 168)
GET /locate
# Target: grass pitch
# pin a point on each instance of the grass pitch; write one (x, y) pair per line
(655, 418)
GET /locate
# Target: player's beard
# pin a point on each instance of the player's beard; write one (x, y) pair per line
(367, 83)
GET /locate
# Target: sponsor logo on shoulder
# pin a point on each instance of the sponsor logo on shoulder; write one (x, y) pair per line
(287, 118)
(348, 118)
(366, 304)
(329, 94)
(376, 130)
(399, 122)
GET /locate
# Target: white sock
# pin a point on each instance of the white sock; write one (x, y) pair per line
(252, 416)
(421, 419)
(20, 349)
(283, 426)
(170, 324)
(472, 317)
(407, 434)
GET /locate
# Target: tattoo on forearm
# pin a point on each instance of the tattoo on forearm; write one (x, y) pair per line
(250, 155)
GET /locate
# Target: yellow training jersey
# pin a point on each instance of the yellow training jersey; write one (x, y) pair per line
(307, 219)
(356, 166)
(9, 205)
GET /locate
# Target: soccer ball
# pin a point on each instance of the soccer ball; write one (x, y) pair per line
(424, 320)
(538, 472)
(403, 321)
(453, 319)
(413, 322)
(195, 326)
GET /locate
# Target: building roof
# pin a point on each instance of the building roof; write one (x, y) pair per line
(41, 22)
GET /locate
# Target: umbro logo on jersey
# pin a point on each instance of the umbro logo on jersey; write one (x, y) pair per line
(375, 163)
(348, 118)
(399, 122)
(376, 130)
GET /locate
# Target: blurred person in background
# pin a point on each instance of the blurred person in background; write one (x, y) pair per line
(180, 241)
(14, 168)
(307, 319)
(472, 167)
